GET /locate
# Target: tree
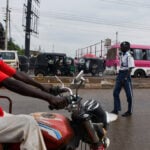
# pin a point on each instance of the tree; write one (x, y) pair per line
(13, 46)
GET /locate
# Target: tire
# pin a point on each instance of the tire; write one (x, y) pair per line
(139, 74)
(40, 73)
(100, 74)
(94, 69)
(93, 74)
(84, 146)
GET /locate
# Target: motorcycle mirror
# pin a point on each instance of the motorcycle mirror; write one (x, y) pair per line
(62, 84)
(78, 79)
(79, 76)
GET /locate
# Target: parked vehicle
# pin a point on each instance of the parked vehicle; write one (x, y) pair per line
(32, 63)
(23, 63)
(141, 54)
(68, 67)
(87, 123)
(10, 57)
(95, 66)
(53, 64)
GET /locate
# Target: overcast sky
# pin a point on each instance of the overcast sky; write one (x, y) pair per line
(68, 25)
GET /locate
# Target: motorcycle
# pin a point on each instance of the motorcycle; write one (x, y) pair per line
(88, 123)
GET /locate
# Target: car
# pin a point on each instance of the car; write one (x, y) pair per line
(23, 63)
(53, 64)
(94, 66)
(10, 57)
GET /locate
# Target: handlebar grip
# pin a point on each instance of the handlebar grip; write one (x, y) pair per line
(69, 99)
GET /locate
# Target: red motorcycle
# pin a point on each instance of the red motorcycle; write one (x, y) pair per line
(87, 124)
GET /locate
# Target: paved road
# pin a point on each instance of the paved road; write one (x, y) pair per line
(125, 133)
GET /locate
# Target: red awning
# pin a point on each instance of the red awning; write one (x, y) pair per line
(89, 55)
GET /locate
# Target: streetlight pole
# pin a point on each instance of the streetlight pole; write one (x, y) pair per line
(6, 25)
(116, 37)
(28, 28)
(101, 48)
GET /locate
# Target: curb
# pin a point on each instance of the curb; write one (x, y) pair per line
(93, 82)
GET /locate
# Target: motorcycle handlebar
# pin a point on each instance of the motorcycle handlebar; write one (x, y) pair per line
(68, 90)
(71, 98)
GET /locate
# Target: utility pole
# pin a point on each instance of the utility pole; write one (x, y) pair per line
(28, 30)
(101, 47)
(6, 25)
(116, 37)
(31, 23)
(10, 39)
(53, 50)
(2, 37)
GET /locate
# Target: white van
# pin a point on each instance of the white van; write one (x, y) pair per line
(10, 57)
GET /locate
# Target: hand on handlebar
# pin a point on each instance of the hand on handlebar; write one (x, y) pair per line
(56, 90)
(59, 102)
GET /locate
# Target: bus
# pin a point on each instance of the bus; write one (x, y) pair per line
(141, 54)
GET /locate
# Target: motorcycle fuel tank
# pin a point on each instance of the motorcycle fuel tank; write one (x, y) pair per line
(56, 129)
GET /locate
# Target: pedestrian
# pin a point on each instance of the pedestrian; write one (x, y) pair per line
(23, 128)
(123, 79)
(76, 62)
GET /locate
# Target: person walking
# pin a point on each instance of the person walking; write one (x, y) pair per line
(123, 79)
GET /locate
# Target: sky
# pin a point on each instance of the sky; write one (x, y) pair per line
(69, 25)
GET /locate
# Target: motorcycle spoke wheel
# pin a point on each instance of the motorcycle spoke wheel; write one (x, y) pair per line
(84, 146)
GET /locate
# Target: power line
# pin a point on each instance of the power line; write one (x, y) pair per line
(19, 33)
(128, 3)
(95, 20)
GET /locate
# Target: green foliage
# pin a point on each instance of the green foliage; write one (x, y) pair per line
(13, 46)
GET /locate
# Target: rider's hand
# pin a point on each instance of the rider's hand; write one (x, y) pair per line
(56, 90)
(58, 102)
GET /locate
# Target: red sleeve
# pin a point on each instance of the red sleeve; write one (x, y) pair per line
(5, 71)
(1, 112)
